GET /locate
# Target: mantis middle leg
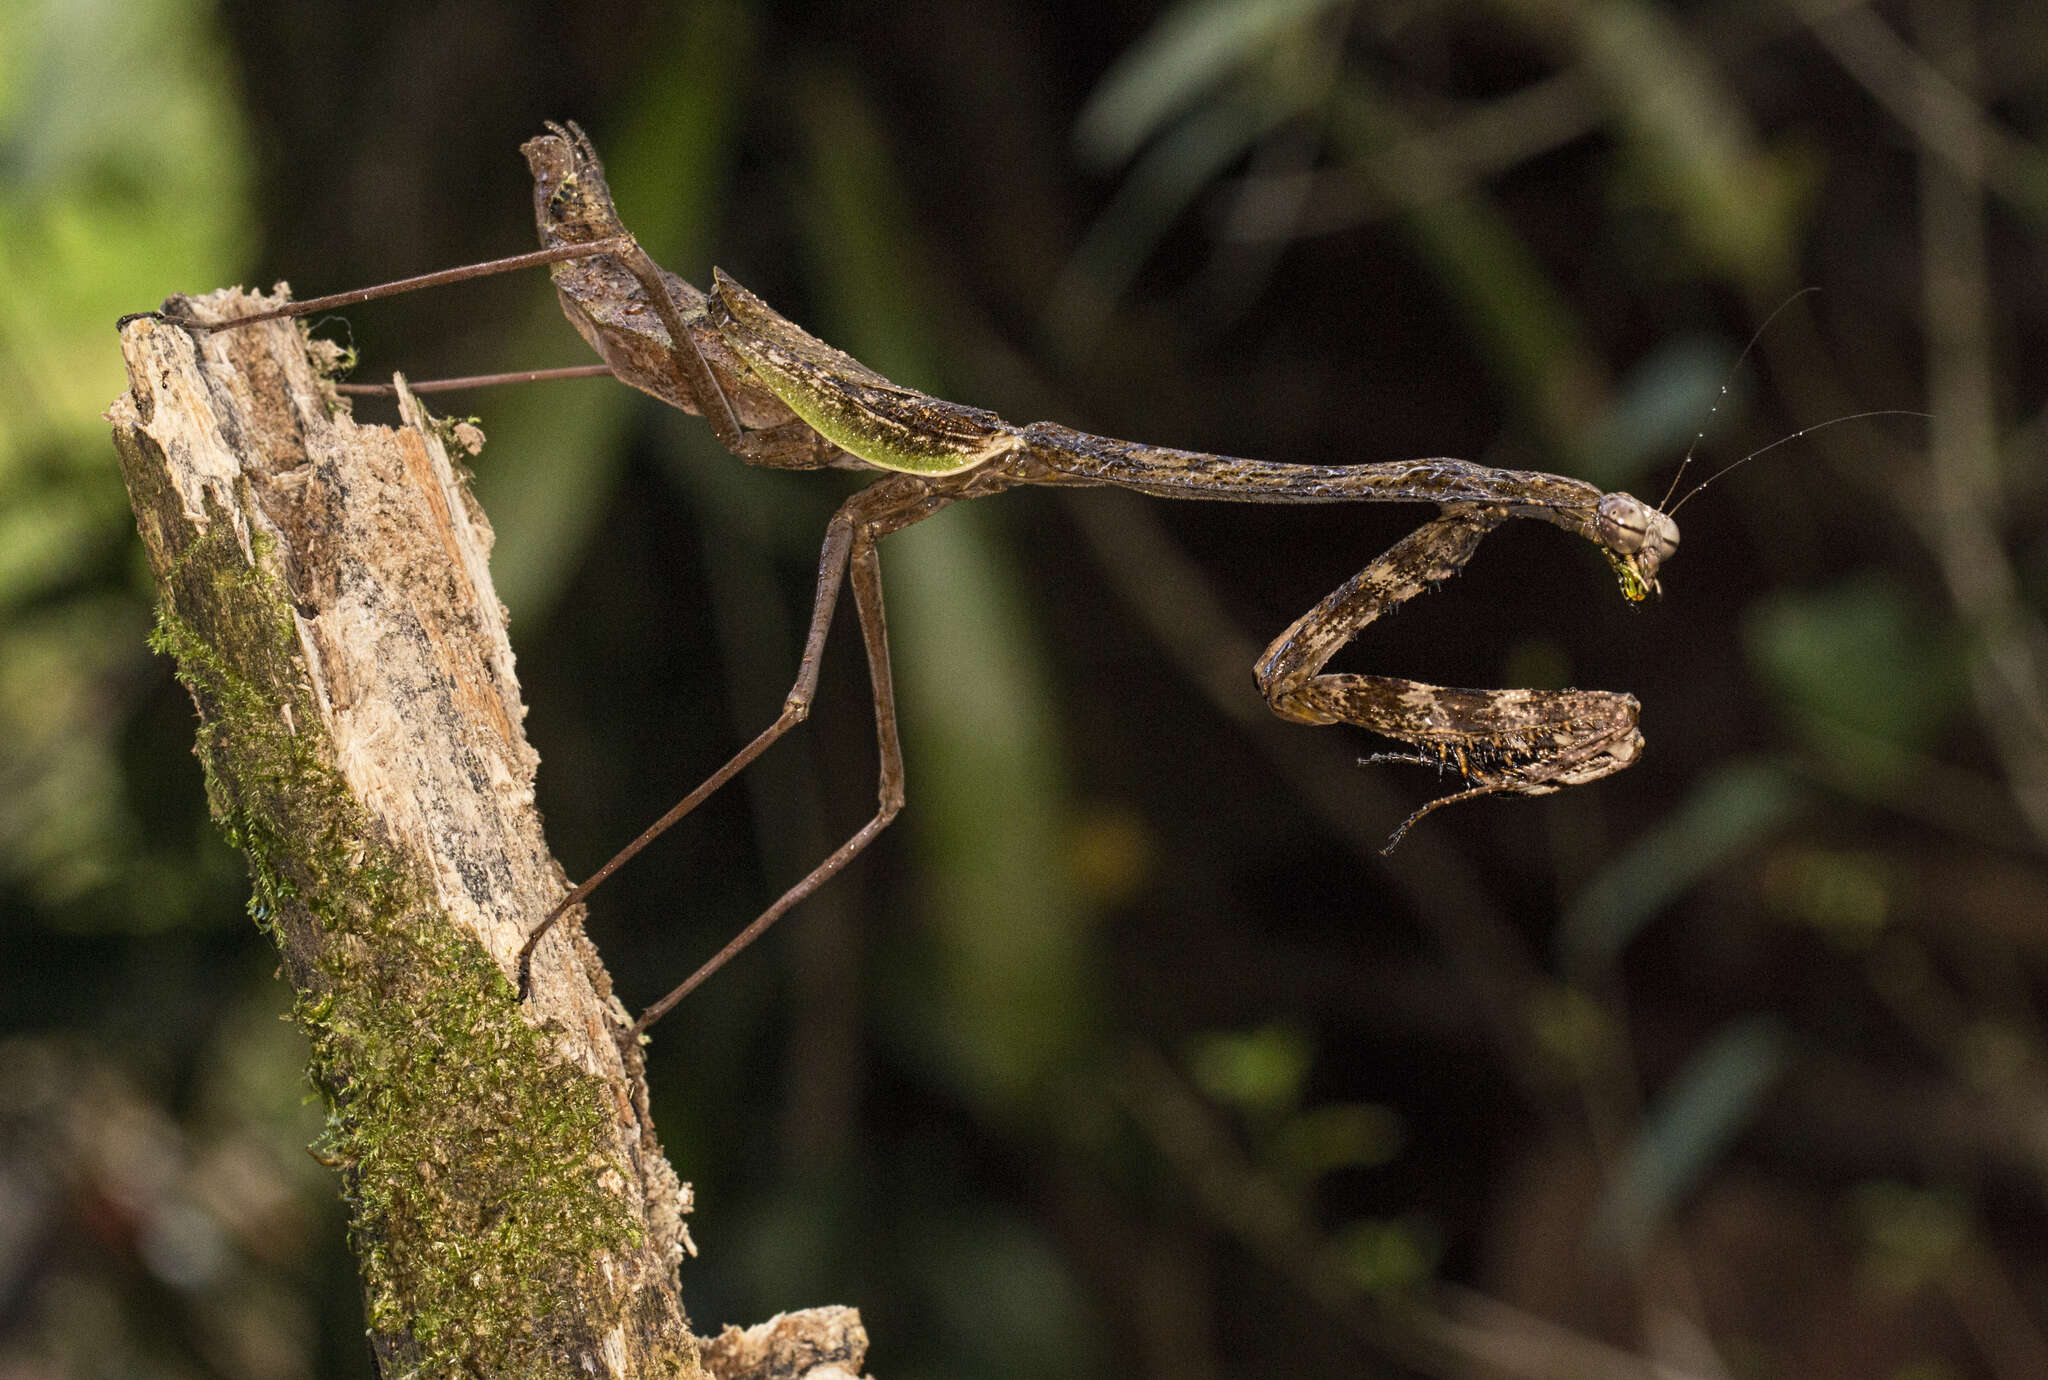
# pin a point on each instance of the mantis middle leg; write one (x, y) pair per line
(849, 555)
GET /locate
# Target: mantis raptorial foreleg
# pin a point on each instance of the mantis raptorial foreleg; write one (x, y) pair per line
(1526, 742)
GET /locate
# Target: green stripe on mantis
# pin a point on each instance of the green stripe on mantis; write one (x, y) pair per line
(887, 425)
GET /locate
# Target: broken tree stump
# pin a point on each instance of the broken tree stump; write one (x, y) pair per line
(324, 588)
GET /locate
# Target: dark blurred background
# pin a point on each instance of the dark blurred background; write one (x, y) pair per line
(1124, 1053)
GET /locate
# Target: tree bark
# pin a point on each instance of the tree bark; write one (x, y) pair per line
(324, 589)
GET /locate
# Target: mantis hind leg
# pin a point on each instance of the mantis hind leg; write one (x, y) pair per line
(849, 550)
(1519, 742)
(866, 573)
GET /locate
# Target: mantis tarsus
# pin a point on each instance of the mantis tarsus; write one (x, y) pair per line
(777, 396)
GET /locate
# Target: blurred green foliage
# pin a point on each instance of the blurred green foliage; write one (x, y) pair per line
(111, 190)
(1861, 656)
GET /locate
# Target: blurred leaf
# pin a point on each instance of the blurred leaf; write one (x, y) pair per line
(1687, 1128)
(1005, 1299)
(1659, 410)
(1156, 192)
(1015, 998)
(1863, 655)
(1843, 893)
(1998, 1059)
(1727, 812)
(1259, 1071)
(547, 471)
(1342, 1135)
(1251, 78)
(1193, 46)
(1692, 149)
(1114, 852)
(1572, 1028)
(795, 1240)
(1913, 1237)
(865, 252)
(1388, 1259)
(677, 135)
(139, 1242)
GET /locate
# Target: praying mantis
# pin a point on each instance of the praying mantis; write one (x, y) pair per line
(777, 396)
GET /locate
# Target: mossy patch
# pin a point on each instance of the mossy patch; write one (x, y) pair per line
(474, 1161)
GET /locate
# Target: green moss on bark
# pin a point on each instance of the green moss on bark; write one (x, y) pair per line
(473, 1158)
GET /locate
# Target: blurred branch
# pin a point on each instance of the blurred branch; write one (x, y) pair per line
(2010, 644)
(1942, 115)
(1423, 167)
(324, 589)
(1919, 786)
(1994, 1311)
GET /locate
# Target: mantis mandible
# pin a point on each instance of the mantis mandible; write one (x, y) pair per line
(776, 396)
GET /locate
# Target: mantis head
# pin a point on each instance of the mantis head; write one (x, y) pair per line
(570, 198)
(1637, 540)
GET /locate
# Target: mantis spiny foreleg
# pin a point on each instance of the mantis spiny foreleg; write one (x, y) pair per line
(1519, 742)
